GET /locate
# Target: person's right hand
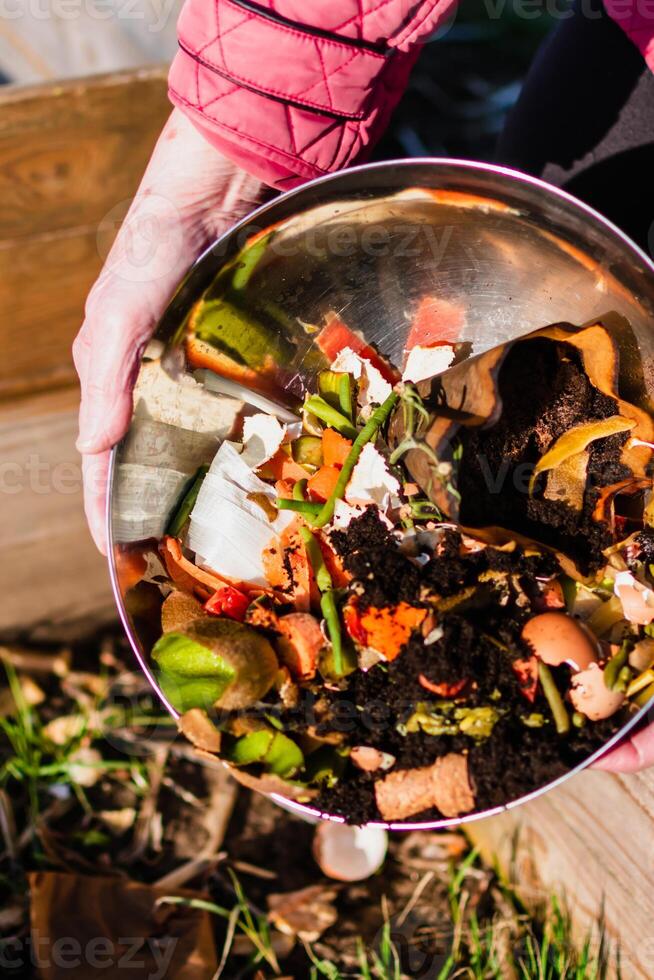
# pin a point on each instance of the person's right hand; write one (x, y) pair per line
(188, 196)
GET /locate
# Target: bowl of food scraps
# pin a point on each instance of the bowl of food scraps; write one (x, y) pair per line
(382, 529)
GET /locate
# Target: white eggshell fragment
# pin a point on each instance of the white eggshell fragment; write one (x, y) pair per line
(556, 639)
(262, 437)
(349, 853)
(373, 387)
(637, 600)
(590, 695)
(425, 362)
(371, 482)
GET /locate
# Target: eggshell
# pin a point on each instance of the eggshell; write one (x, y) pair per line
(637, 600)
(556, 639)
(369, 759)
(349, 853)
(590, 695)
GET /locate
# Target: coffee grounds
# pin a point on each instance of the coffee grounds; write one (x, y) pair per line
(481, 638)
(373, 558)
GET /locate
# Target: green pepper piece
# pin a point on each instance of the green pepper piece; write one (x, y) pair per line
(307, 450)
(250, 748)
(240, 335)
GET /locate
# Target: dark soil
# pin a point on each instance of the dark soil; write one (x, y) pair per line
(481, 638)
(544, 392)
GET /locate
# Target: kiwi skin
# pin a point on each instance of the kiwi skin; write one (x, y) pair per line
(248, 653)
(179, 610)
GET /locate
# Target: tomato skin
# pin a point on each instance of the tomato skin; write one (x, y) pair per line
(229, 602)
(443, 690)
(353, 624)
(336, 335)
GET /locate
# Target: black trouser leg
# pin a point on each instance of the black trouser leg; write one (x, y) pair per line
(585, 120)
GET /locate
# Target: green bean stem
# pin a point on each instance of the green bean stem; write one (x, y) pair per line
(301, 506)
(554, 699)
(329, 610)
(316, 560)
(614, 666)
(369, 431)
(330, 416)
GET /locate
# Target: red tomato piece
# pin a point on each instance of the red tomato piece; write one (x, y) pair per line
(228, 602)
(353, 624)
(436, 321)
(336, 335)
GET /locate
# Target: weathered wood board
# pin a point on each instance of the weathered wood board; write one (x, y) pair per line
(591, 839)
(71, 157)
(70, 154)
(51, 575)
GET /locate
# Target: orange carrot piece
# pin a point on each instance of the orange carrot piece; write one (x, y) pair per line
(321, 485)
(282, 466)
(188, 576)
(335, 447)
(284, 489)
(286, 565)
(388, 629)
(340, 577)
(300, 644)
(131, 564)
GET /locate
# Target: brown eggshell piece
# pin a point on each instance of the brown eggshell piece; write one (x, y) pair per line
(557, 638)
(445, 785)
(590, 695)
(369, 759)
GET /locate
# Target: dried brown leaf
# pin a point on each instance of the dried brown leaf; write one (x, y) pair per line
(305, 913)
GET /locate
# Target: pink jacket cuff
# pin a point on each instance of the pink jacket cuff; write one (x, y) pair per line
(300, 90)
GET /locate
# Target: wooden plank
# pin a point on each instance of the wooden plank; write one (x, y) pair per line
(43, 287)
(72, 152)
(591, 840)
(70, 155)
(51, 576)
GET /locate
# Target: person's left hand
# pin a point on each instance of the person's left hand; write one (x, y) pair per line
(189, 195)
(636, 752)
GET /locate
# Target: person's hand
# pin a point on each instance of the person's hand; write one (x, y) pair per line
(189, 194)
(636, 752)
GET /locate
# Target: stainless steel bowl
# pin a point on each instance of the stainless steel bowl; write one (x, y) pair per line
(508, 252)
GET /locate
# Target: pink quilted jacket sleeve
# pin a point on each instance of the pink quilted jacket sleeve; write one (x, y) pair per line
(292, 89)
